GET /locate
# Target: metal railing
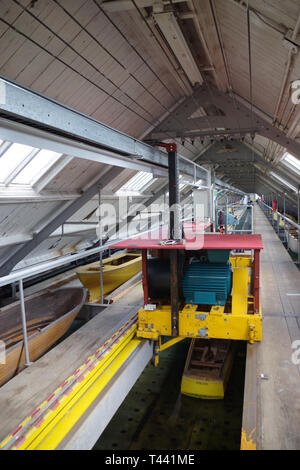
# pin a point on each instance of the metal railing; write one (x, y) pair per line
(225, 208)
(289, 221)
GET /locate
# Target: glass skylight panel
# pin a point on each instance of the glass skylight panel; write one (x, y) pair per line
(37, 167)
(282, 180)
(12, 158)
(136, 183)
(291, 161)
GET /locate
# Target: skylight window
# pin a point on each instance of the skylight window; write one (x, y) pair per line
(36, 167)
(282, 180)
(24, 165)
(292, 162)
(136, 184)
(12, 158)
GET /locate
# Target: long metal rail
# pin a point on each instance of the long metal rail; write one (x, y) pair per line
(27, 116)
(77, 412)
(65, 126)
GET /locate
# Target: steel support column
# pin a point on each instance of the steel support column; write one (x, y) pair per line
(175, 224)
(256, 282)
(145, 276)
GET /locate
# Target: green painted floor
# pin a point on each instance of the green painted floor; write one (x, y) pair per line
(155, 416)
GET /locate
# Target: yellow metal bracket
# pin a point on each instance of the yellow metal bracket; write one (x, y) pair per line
(169, 343)
(196, 324)
(159, 347)
(234, 322)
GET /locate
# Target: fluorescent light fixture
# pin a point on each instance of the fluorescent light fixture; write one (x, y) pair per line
(173, 34)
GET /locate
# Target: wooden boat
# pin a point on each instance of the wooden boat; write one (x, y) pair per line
(116, 270)
(207, 369)
(48, 315)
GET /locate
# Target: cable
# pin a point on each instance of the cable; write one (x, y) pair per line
(154, 118)
(80, 74)
(111, 55)
(73, 69)
(220, 43)
(82, 57)
(108, 52)
(224, 57)
(168, 58)
(250, 74)
(150, 29)
(152, 34)
(92, 65)
(139, 55)
(148, 26)
(131, 45)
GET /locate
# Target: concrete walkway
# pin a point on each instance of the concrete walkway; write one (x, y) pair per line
(277, 408)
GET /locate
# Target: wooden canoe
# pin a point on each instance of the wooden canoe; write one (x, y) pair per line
(48, 315)
(207, 369)
(116, 270)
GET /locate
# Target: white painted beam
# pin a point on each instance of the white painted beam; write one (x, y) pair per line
(47, 177)
(125, 5)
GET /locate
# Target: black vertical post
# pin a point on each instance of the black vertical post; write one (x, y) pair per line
(173, 192)
(160, 223)
(174, 291)
(298, 206)
(175, 233)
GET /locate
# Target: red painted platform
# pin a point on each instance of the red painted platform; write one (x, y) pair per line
(194, 239)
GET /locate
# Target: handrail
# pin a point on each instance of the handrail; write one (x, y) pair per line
(290, 221)
(24, 273)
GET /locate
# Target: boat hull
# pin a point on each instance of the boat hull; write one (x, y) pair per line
(207, 383)
(205, 389)
(39, 339)
(113, 275)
